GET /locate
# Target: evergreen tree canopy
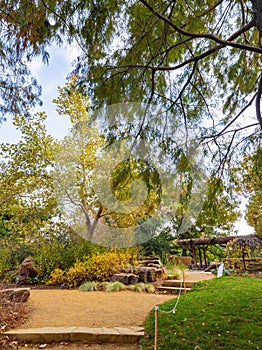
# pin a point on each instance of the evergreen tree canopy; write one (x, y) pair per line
(200, 59)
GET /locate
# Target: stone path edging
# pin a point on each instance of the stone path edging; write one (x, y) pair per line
(78, 334)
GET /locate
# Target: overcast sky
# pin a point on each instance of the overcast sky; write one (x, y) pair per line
(50, 77)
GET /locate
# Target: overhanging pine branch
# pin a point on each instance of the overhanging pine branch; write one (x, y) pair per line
(203, 35)
(192, 59)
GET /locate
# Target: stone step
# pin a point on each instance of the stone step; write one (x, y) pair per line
(178, 283)
(172, 290)
(128, 335)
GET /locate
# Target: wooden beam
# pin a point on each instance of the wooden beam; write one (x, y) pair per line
(206, 240)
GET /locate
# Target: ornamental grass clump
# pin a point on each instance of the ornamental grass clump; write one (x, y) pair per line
(115, 287)
(149, 288)
(90, 286)
(142, 287)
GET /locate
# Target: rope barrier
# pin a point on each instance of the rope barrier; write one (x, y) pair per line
(157, 310)
(173, 311)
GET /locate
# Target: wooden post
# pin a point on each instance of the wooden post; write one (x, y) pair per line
(205, 257)
(156, 327)
(200, 257)
(184, 280)
(192, 253)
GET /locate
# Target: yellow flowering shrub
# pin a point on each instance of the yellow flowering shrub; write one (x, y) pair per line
(104, 265)
(100, 266)
(77, 274)
(57, 277)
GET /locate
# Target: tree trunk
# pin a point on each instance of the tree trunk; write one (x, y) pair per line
(257, 9)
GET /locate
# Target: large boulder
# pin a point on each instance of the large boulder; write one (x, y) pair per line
(150, 274)
(26, 271)
(125, 278)
(149, 270)
(16, 294)
(141, 272)
(27, 268)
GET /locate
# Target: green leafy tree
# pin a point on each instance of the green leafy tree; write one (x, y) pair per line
(213, 215)
(79, 167)
(27, 201)
(26, 196)
(219, 212)
(75, 160)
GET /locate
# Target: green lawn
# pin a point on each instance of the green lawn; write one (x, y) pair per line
(224, 313)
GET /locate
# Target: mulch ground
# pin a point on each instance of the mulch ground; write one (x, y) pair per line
(12, 315)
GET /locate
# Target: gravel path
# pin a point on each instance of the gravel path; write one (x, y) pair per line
(94, 309)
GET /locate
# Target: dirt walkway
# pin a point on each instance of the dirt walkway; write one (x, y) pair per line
(89, 309)
(57, 307)
(94, 309)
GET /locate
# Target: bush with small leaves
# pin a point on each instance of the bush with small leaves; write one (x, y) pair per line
(99, 267)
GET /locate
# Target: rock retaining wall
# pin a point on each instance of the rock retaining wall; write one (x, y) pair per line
(148, 271)
(252, 265)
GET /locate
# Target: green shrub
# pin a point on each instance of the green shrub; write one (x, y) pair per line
(101, 266)
(161, 245)
(175, 270)
(49, 252)
(59, 253)
(175, 274)
(12, 253)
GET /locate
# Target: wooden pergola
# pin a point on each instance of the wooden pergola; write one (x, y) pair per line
(198, 246)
